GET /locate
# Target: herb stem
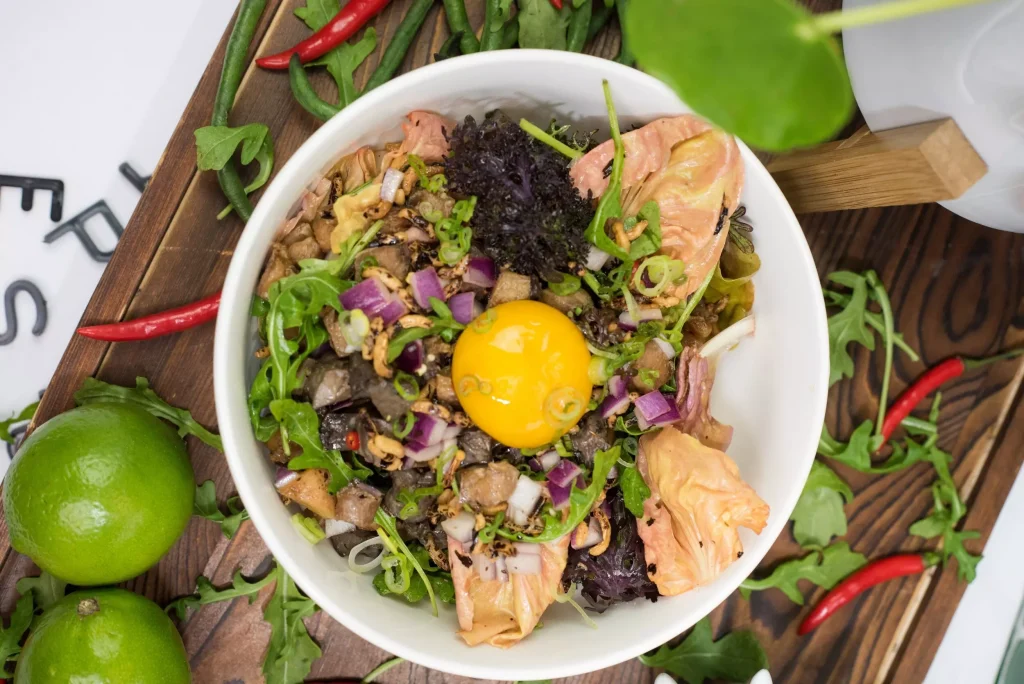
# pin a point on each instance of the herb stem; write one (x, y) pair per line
(548, 139)
(693, 301)
(381, 669)
(833, 22)
(882, 297)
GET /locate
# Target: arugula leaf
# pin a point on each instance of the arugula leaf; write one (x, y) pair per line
(417, 591)
(634, 490)
(609, 206)
(45, 589)
(736, 657)
(394, 543)
(819, 514)
(20, 417)
(849, 325)
(543, 26)
(342, 61)
(947, 511)
(205, 506)
(96, 391)
(206, 593)
(216, 145)
(824, 568)
(11, 636)
(873, 319)
(291, 651)
(649, 241)
(300, 421)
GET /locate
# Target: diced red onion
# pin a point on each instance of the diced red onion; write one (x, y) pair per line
(394, 310)
(501, 569)
(526, 549)
(617, 386)
(451, 432)
(426, 284)
(411, 358)
(523, 564)
(596, 259)
(422, 453)
(667, 418)
(447, 444)
(535, 465)
(652, 405)
(524, 500)
(284, 477)
(369, 296)
(613, 406)
(559, 495)
(613, 473)
(408, 463)
(549, 459)
(563, 473)
(428, 430)
(480, 271)
(333, 528)
(484, 567)
(728, 338)
(627, 322)
(460, 528)
(465, 308)
(417, 234)
(390, 183)
(594, 536)
(667, 349)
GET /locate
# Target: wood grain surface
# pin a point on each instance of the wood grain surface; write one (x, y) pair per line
(956, 288)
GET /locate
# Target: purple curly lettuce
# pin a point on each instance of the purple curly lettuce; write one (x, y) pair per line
(617, 575)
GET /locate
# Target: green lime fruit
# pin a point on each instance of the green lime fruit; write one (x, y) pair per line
(103, 636)
(98, 494)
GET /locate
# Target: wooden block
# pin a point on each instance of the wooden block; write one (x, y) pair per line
(926, 162)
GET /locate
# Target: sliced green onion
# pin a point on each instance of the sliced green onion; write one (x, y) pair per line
(660, 270)
(569, 284)
(407, 386)
(486, 535)
(483, 323)
(429, 214)
(631, 306)
(308, 528)
(396, 574)
(598, 371)
(692, 302)
(403, 425)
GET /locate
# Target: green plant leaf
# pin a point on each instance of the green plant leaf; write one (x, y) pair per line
(736, 657)
(750, 66)
(342, 61)
(300, 421)
(20, 417)
(848, 325)
(215, 145)
(825, 568)
(206, 593)
(819, 515)
(291, 651)
(541, 25)
(11, 636)
(634, 490)
(45, 589)
(96, 391)
(205, 506)
(610, 204)
(649, 241)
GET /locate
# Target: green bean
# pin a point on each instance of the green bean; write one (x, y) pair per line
(510, 33)
(490, 39)
(230, 78)
(400, 44)
(579, 25)
(455, 10)
(304, 93)
(625, 54)
(599, 19)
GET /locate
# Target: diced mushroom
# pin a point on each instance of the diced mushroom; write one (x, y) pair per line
(306, 248)
(579, 299)
(357, 503)
(328, 383)
(477, 446)
(444, 390)
(510, 287)
(276, 447)
(309, 490)
(651, 370)
(394, 259)
(322, 229)
(344, 543)
(408, 481)
(488, 486)
(279, 265)
(593, 435)
(386, 400)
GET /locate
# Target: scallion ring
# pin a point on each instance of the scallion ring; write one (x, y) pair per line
(406, 386)
(403, 425)
(396, 574)
(353, 556)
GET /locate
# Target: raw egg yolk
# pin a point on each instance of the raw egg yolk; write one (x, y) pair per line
(520, 372)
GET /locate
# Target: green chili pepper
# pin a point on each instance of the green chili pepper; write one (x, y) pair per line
(494, 24)
(400, 44)
(510, 33)
(304, 93)
(458, 21)
(599, 18)
(579, 25)
(406, 386)
(625, 54)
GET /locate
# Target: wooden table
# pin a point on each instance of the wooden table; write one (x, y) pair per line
(957, 287)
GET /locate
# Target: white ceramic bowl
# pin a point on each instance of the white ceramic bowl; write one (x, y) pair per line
(772, 388)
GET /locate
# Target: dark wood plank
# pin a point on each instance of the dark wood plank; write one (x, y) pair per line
(956, 287)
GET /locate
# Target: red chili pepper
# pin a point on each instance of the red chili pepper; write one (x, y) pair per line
(557, 4)
(155, 325)
(352, 441)
(930, 381)
(873, 573)
(343, 26)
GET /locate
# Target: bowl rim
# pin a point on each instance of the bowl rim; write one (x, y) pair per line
(227, 399)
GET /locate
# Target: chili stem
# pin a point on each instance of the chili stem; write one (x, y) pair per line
(919, 424)
(548, 139)
(882, 297)
(399, 45)
(971, 364)
(381, 669)
(833, 22)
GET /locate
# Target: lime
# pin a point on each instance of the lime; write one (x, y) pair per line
(103, 636)
(98, 494)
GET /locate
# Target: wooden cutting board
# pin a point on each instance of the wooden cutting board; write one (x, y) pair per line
(957, 288)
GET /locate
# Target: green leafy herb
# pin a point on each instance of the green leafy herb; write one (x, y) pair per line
(440, 581)
(824, 568)
(300, 421)
(95, 391)
(543, 26)
(45, 589)
(609, 206)
(291, 651)
(342, 61)
(394, 543)
(205, 506)
(20, 417)
(206, 593)
(14, 632)
(649, 241)
(216, 145)
(736, 657)
(634, 490)
(842, 299)
(849, 325)
(819, 514)
(549, 139)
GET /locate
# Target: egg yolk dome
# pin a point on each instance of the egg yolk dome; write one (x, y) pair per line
(520, 373)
